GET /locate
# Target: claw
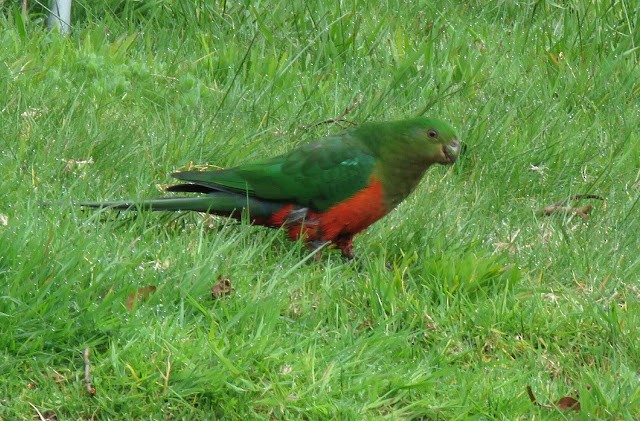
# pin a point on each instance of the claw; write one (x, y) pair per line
(345, 244)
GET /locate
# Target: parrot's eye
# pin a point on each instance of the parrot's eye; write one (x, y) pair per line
(432, 133)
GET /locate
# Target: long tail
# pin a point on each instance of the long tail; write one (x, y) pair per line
(219, 203)
(198, 204)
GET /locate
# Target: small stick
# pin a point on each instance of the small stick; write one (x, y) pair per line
(578, 197)
(42, 418)
(582, 211)
(562, 207)
(341, 118)
(87, 373)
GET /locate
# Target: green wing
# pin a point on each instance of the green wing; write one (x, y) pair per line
(319, 174)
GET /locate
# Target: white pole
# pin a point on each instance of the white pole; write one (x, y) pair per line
(60, 15)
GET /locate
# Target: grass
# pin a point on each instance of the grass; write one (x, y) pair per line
(485, 296)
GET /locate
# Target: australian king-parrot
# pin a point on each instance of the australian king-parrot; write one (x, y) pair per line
(323, 192)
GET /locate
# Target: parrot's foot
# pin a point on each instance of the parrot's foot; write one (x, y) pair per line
(345, 244)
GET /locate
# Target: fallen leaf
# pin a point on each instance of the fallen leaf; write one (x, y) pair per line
(221, 288)
(568, 402)
(140, 295)
(4, 220)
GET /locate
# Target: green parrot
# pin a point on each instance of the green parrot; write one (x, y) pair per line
(323, 192)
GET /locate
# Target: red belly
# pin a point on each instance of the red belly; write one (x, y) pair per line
(344, 219)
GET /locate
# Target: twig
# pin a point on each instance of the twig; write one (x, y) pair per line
(561, 206)
(578, 197)
(87, 373)
(563, 404)
(42, 418)
(582, 211)
(341, 118)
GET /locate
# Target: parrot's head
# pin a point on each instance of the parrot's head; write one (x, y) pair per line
(439, 141)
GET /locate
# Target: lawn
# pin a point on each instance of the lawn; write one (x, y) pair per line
(517, 267)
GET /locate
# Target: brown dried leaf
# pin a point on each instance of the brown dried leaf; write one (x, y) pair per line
(568, 402)
(221, 288)
(140, 295)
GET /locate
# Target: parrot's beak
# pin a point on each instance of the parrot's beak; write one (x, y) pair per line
(451, 151)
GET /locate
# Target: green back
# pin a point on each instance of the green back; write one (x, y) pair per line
(318, 174)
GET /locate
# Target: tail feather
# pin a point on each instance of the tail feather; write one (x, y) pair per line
(191, 188)
(220, 203)
(198, 204)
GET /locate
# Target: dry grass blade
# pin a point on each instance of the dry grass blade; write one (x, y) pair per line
(46, 415)
(87, 373)
(341, 118)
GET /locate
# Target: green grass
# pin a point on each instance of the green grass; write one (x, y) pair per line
(485, 296)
